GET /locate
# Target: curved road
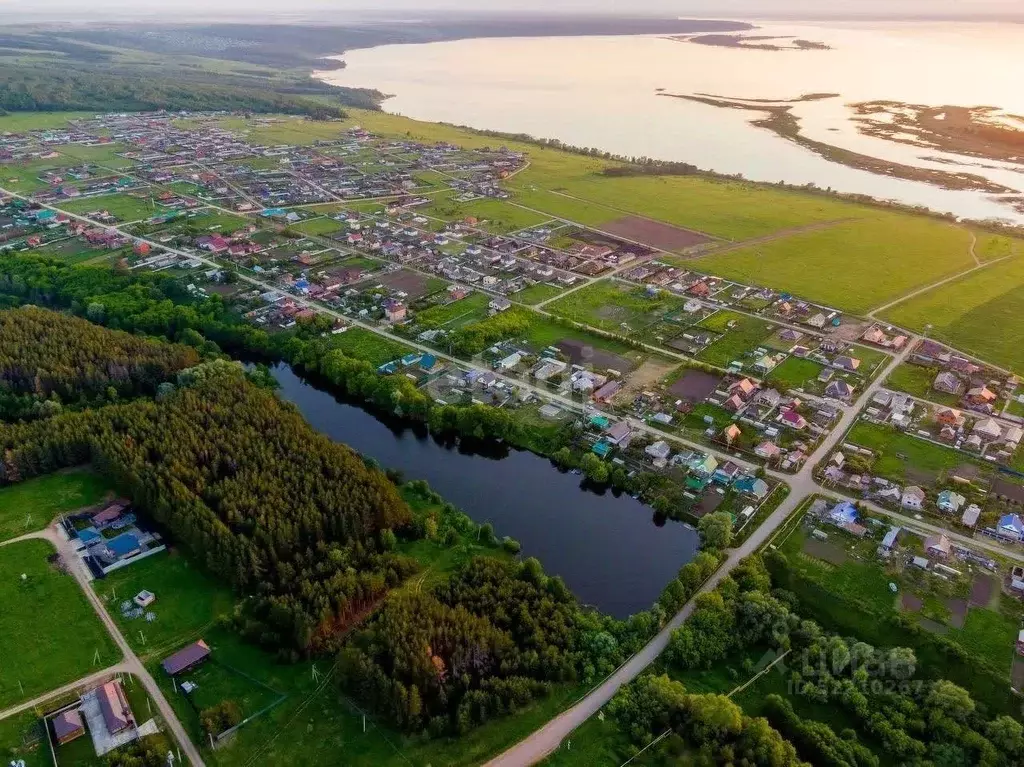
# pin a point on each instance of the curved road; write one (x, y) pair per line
(131, 663)
(545, 740)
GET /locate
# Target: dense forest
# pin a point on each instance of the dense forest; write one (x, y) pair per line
(492, 639)
(290, 519)
(51, 355)
(910, 715)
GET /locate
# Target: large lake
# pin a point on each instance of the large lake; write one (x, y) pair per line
(602, 92)
(607, 548)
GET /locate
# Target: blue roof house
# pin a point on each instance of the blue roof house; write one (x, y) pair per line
(1011, 526)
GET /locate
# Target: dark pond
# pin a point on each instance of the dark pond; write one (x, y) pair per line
(608, 549)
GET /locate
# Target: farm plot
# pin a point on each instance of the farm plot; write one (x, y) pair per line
(902, 457)
(455, 314)
(796, 373)
(855, 265)
(318, 226)
(654, 233)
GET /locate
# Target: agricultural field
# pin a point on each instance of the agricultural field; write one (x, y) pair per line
(853, 265)
(126, 207)
(34, 503)
(973, 313)
(545, 203)
(51, 634)
(917, 380)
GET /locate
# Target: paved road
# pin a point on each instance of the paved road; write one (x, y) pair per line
(131, 663)
(545, 740)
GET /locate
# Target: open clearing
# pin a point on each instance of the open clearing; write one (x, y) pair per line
(33, 504)
(654, 233)
(976, 313)
(50, 634)
(856, 265)
(125, 206)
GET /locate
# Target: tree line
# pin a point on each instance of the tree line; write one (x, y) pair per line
(50, 356)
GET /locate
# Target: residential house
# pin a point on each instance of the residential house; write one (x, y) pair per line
(938, 546)
(793, 420)
(186, 658)
(889, 495)
(725, 473)
(987, 429)
(499, 304)
(913, 498)
(703, 465)
(767, 398)
(619, 434)
(731, 433)
(970, 516)
(117, 714)
(1011, 526)
(949, 417)
(791, 335)
(67, 725)
(509, 362)
(846, 363)
(607, 392)
(749, 485)
(839, 390)
(980, 396)
(743, 388)
(734, 404)
(890, 540)
(659, 451)
(950, 501)
(767, 450)
(948, 383)
(394, 310)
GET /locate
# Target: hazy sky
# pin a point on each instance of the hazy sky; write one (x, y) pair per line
(184, 11)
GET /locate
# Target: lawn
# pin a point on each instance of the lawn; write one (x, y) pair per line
(922, 458)
(746, 334)
(187, 602)
(33, 504)
(537, 293)
(366, 345)
(973, 313)
(795, 373)
(857, 265)
(125, 206)
(457, 313)
(917, 380)
(51, 635)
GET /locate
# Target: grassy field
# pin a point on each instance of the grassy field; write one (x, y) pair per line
(365, 345)
(973, 313)
(126, 207)
(917, 380)
(22, 737)
(187, 602)
(856, 265)
(51, 634)
(992, 246)
(319, 226)
(23, 121)
(795, 373)
(214, 220)
(535, 294)
(923, 459)
(568, 208)
(611, 305)
(745, 334)
(104, 154)
(33, 504)
(462, 312)
(73, 251)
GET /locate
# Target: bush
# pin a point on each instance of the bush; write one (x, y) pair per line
(219, 718)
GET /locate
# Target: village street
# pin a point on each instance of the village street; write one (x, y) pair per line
(131, 663)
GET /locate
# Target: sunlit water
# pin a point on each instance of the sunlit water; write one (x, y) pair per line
(602, 92)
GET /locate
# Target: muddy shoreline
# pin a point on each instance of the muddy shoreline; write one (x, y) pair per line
(779, 119)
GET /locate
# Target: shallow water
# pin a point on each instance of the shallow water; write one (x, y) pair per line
(602, 92)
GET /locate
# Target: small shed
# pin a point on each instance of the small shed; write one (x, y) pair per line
(67, 725)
